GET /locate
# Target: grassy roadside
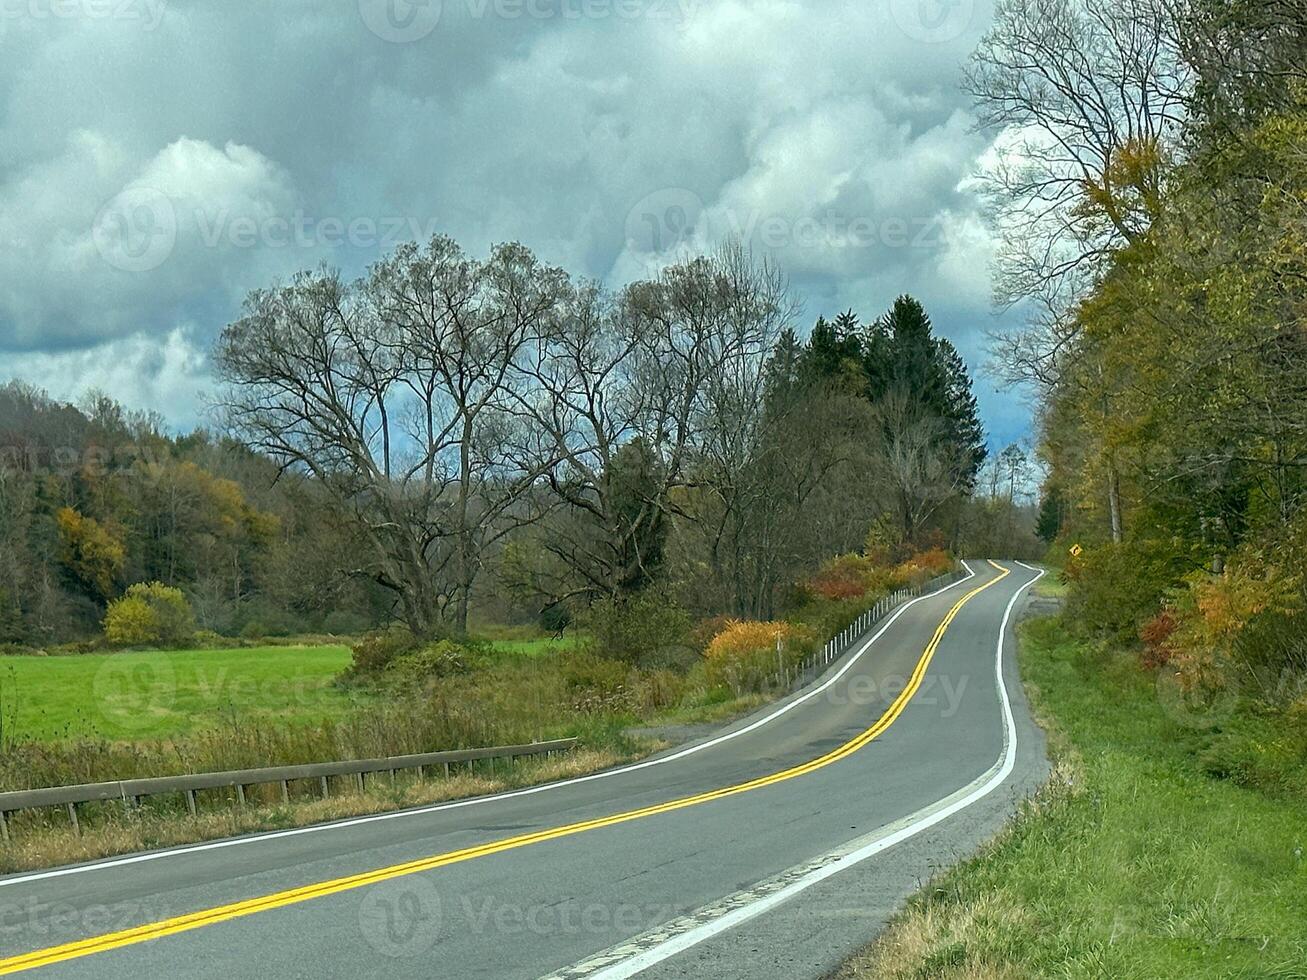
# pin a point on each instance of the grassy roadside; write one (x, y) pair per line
(1133, 861)
(163, 823)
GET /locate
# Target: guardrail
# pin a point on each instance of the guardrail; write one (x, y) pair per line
(130, 791)
(838, 645)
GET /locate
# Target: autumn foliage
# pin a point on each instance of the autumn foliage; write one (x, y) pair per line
(743, 637)
(856, 576)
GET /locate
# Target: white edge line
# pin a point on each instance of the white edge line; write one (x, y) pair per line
(477, 800)
(678, 944)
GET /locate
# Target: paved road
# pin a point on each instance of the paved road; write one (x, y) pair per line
(773, 848)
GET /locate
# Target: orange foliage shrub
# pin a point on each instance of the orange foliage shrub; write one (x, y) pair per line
(843, 577)
(743, 637)
(1156, 636)
(926, 565)
(855, 576)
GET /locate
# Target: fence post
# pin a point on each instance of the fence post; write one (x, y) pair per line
(72, 818)
(240, 793)
(285, 791)
(4, 827)
(190, 801)
(325, 791)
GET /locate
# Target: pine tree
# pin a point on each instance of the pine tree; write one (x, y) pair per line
(901, 352)
(1051, 507)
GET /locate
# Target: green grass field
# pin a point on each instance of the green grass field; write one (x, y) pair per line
(537, 647)
(151, 694)
(1133, 862)
(156, 694)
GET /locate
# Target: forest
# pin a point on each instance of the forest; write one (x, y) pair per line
(452, 439)
(1152, 213)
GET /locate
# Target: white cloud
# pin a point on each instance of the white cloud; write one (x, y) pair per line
(98, 245)
(167, 374)
(833, 136)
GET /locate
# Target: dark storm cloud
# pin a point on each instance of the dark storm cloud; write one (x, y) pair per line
(159, 159)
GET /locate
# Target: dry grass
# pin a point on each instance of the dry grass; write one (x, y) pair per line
(41, 841)
(933, 943)
(939, 933)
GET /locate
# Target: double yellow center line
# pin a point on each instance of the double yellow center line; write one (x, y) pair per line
(293, 896)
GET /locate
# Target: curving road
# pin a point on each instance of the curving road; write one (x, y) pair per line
(774, 848)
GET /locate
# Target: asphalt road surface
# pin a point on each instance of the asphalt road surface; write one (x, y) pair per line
(773, 848)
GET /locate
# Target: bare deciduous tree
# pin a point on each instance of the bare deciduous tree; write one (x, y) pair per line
(395, 393)
(1086, 101)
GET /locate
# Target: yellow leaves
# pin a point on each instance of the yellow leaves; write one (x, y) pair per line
(740, 638)
(90, 550)
(1127, 193)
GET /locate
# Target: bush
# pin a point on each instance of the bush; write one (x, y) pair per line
(924, 566)
(1115, 589)
(445, 658)
(374, 652)
(644, 629)
(740, 638)
(744, 655)
(555, 619)
(150, 613)
(845, 577)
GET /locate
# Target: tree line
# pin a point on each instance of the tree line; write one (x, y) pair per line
(587, 444)
(1153, 205)
(450, 437)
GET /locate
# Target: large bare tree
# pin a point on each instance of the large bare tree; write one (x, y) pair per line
(396, 393)
(631, 393)
(1086, 100)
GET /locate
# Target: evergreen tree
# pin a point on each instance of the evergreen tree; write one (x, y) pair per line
(1049, 523)
(901, 352)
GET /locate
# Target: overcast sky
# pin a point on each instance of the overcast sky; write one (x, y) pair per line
(159, 158)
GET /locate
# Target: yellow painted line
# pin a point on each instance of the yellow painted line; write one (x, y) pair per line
(293, 896)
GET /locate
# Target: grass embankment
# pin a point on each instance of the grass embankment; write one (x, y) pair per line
(1134, 861)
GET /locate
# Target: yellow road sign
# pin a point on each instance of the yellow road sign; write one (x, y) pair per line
(1075, 550)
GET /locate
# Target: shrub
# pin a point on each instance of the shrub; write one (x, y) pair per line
(924, 566)
(445, 658)
(1159, 649)
(844, 577)
(742, 637)
(1114, 589)
(641, 629)
(1216, 615)
(150, 613)
(373, 652)
(744, 655)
